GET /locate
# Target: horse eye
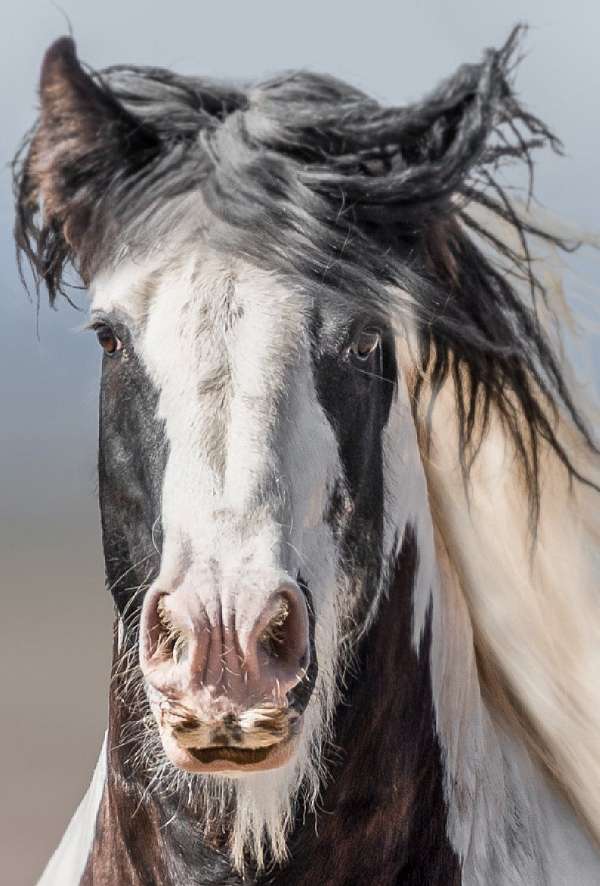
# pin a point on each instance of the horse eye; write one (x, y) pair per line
(109, 342)
(366, 344)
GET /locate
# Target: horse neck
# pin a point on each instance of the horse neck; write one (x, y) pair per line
(382, 813)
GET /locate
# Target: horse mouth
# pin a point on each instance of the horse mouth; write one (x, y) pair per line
(241, 756)
(227, 759)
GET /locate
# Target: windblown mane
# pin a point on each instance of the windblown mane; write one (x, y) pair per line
(312, 178)
(400, 211)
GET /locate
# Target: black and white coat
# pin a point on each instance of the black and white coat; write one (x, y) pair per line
(244, 436)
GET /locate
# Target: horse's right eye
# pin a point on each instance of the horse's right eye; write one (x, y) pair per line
(109, 342)
(366, 344)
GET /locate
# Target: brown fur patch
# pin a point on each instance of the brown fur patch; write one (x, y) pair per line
(384, 814)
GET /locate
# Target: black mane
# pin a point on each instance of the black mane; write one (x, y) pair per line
(311, 178)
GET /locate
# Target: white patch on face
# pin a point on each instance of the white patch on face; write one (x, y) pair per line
(251, 463)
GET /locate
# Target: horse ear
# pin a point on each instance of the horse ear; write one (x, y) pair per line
(440, 141)
(404, 166)
(84, 141)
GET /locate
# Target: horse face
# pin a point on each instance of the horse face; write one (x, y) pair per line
(241, 483)
(241, 477)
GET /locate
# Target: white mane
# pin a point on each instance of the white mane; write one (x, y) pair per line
(516, 646)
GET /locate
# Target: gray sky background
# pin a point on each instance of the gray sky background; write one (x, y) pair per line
(55, 623)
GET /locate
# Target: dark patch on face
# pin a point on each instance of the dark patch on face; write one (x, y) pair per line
(356, 399)
(131, 465)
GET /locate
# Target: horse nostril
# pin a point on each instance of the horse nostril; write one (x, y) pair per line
(172, 642)
(273, 637)
(162, 638)
(278, 647)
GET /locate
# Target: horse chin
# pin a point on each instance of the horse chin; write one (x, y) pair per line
(227, 760)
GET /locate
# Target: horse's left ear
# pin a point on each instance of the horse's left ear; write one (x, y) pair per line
(411, 161)
(85, 141)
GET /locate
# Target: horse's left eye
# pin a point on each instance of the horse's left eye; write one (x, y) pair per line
(366, 344)
(107, 339)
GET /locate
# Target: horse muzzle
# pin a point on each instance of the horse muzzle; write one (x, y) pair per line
(224, 681)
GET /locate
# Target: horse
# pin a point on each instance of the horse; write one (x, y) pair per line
(348, 484)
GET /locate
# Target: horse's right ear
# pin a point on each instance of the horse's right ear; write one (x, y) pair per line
(84, 142)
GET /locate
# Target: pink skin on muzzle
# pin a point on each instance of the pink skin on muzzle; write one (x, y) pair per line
(207, 674)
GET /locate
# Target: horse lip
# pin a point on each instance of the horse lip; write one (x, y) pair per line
(228, 754)
(229, 759)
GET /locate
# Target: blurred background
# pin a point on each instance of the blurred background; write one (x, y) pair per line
(56, 617)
